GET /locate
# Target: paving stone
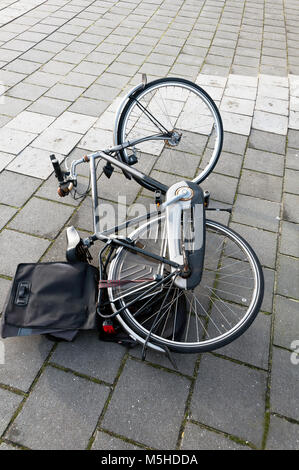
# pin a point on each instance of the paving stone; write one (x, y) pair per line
(10, 78)
(256, 212)
(237, 105)
(14, 141)
(12, 106)
(233, 143)
(222, 188)
(57, 140)
(185, 362)
(30, 122)
(265, 162)
(180, 163)
(6, 214)
(4, 289)
(65, 92)
(57, 68)
(49, 106)
(118, 186)
(228, 164)
(252, 346)
(237, 386)
(268, 122)
(291, 208)
(74, 122)
(240, 91)
(61, 412)
(293, 139)
(89, 356)
(282, 435)
(292, 159)
(9, 403)
(233, 122)
(147, 420)
(199, 438)
(284, 385)
(33, 162)
(288, 276)
(289, 244)
(42, 218)
(272, 105)
(89, 107)
(31, 92)
(286, 326)
(22, 66)
(16, 189)
(291, 181)
(5, 446)
(23, 359)
(262, 185)
(104, 441)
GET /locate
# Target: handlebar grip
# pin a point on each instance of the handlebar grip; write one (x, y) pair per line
(57, 169)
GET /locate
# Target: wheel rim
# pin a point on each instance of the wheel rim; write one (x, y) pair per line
(217, 310)
(186, 110)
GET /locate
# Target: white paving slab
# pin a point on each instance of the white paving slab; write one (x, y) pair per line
(57, 140)
(14, 141)
(31, 122)
(34, 162)
(74, 122)
(237, 105)
(236, 123)
(268, 122)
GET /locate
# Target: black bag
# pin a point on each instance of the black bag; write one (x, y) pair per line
(51, 298)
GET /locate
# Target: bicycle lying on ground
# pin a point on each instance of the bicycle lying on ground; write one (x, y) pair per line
(179, 282)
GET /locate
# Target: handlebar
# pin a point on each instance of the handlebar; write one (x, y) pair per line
(65, 185)
(57, 169)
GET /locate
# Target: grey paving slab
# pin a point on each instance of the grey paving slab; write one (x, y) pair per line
(42, 218)
(49, 106)
(289, 244)
(104, 441)
(5, 446)
(288, 276)
(222, 387)
(291, 181)
(16, 189)
(23, 359)
(5, 285)
(291, 207)
(135, 412)
(185, 363)
(261, 185)
(222, 188)
(256, 212)
(284, 384)
(292, 158)
(19, 248)
(90, 356)
(265, 162)
(282, 434)
(6, 213)
(286, 326)
(57, 140)
(252, 346)
(9, 403)
(198, 438)
(61, 413)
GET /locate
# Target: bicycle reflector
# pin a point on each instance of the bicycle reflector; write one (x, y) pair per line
(108, 327)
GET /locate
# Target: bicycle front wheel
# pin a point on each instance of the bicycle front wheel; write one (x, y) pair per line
(208, 317)
(186, 112)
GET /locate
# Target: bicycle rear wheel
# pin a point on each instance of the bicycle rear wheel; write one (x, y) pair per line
(181, 108)
(208, 317)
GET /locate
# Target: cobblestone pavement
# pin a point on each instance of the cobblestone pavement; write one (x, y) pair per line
(62, 64)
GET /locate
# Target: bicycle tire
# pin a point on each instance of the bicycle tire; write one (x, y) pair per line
(127, 320)
(201, 120)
